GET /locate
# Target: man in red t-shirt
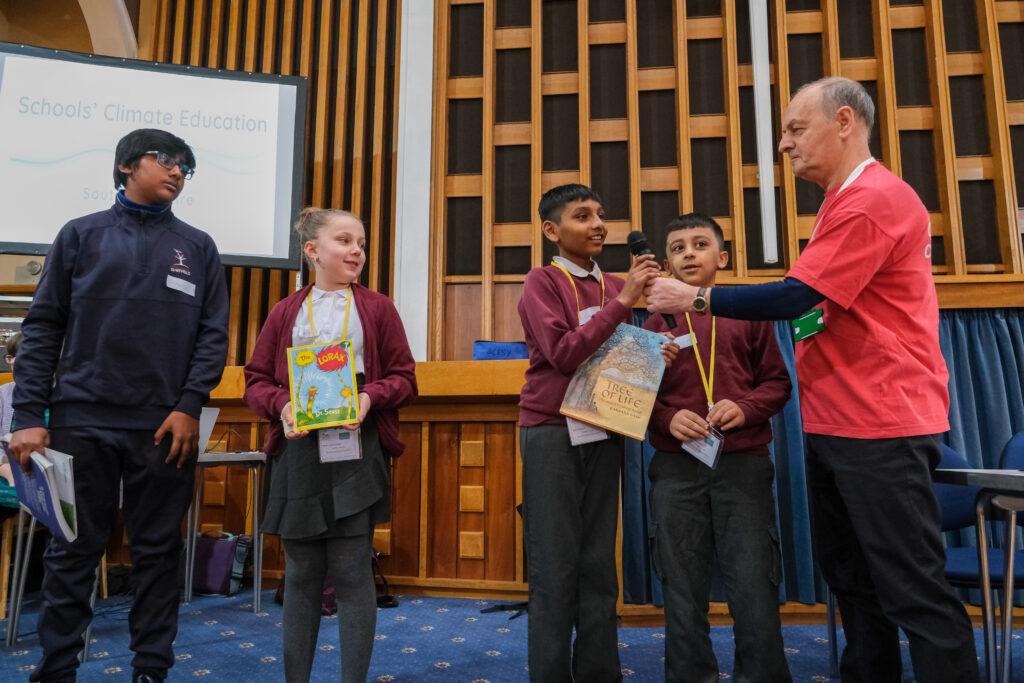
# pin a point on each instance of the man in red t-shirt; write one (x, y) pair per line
(873, 390)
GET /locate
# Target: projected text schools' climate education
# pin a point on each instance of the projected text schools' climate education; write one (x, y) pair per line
(117, 111)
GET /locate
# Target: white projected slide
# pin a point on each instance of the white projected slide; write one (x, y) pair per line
(61, 121)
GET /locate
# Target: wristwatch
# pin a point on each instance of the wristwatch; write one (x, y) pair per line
(700, 302)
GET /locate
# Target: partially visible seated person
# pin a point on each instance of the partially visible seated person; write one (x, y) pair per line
(8, 498)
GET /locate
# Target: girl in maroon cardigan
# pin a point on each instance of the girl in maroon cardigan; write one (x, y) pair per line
(325, 512)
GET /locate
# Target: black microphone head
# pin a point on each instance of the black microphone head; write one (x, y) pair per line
(637, 242)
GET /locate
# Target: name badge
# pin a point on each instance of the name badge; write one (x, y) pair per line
(809, 324)
(708, 449)
(181, 285)
(581, 432)
(338, 445)
(587, 313)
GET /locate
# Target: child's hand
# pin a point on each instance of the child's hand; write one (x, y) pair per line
(643, 271)
(687, 425)
(26, 441)
(364, 408)
(289, 425)
(184, 431)
(725, 415)
(669, 350)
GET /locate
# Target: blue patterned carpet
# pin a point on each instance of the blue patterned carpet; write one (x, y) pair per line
(424, 639)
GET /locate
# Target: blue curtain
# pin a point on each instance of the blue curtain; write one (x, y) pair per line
(984, 351)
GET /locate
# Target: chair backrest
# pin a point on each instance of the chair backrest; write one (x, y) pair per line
(956, 502)
(1013, 453)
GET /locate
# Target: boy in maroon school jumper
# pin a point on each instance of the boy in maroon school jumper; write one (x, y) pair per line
(731, 378)
(570, 475)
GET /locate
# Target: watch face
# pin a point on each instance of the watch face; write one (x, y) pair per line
(699, 304)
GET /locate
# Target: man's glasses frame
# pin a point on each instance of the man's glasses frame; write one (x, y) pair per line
(169, 162)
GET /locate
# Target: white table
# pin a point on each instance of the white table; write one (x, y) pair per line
(255, 461)
(1003, 489)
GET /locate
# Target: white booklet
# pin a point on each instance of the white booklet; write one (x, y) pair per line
(49, 490)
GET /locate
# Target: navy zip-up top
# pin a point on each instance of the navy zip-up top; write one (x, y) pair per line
(128, 323)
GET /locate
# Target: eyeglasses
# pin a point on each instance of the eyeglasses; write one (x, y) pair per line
(8, 358)
(169, 162)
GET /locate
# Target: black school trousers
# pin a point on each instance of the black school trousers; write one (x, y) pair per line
(156, 498)
(570, 514)
(877, 535)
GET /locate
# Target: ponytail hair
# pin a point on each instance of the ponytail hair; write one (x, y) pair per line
(312, 219)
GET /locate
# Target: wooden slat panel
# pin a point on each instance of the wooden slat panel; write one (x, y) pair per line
(463, 186)
(195, 57)
(321, 108)
(255, 307)
(907, 16)
(1015, 113)
(555, 178)
(787, 188)
(560, 83)
(701, 28)
(974, 168)
(359, 109)
(915, 118)
(534, 239)
(513, 133)
(443, 516)
(501, 518)
(513, 234)
(709, 126)
(945, 151)
(865, 69)
(658, 179)
(680, 26)
(609, 130)
(466, 88)
(607, 33)
(663, 78)
(378, 183)
(804, 22)
(964, 63)
(738, 263)
(487, 201)
(999, 132)
(470, 563)
(512, 38)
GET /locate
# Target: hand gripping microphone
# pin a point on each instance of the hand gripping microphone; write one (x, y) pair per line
(638, 246)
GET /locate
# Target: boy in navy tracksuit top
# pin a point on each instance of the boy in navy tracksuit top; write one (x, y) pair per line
(125, 339)
(570, 492)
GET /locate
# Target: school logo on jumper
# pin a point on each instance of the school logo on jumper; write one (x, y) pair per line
(179, 263)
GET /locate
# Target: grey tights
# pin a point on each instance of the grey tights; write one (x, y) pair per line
(346, 560)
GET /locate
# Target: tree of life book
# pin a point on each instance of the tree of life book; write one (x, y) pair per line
(615, 388)
(322, 385)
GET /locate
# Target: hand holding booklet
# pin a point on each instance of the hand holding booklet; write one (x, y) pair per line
(48, 491)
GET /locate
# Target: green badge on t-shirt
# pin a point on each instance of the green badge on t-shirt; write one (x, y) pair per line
(809, 324)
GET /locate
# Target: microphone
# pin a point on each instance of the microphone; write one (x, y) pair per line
(638, 246)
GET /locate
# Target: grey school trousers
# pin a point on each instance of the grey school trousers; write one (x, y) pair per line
(570, 513)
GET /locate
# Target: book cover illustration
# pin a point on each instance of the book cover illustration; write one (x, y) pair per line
(322, 385)
(615, 388)
(49, 491)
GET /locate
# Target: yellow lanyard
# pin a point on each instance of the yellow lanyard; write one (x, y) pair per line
(576, 291)
(344, 330)
(709, 378)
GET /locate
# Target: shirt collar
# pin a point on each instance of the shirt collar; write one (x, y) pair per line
(856, 174)
(576, 270)
(318, 293)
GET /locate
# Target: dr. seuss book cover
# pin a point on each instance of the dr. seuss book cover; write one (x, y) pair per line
(616, 387)
(322, 384)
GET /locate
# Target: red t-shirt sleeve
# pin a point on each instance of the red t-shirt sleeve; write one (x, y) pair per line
(843, 257)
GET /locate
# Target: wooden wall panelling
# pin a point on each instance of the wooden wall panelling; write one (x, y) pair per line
(403, 558)
(583, 81)
(730, 58)
(633, 120)
(443, 510)
(501, 518)
(374, 215)
(682, 95)
(321, 88)
(359, 107)
(487, 177)
(886, 106)
(436, 346)
(945, 150)
(535, 238)
(999, 130)
(787, 187)
(471, 525)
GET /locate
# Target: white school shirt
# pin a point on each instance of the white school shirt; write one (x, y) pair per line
(329, 316)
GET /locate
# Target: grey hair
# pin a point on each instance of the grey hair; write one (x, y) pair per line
(838, 92)
(312, 219)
